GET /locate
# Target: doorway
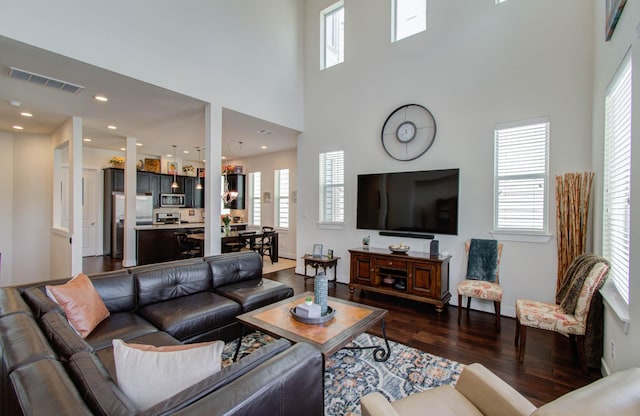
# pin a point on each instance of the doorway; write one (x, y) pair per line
(89, 212)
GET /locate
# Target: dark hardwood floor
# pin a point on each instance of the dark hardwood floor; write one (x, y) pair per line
(549, 369)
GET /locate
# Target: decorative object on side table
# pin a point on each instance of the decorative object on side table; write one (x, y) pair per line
(321, 292)
(330, 254)
(399, 248)
(365, 242)
(317, 250)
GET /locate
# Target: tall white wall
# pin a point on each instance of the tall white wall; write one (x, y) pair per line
(608, 56)
(478, 64)
(243, 54)
(267, 165)
(6, 209)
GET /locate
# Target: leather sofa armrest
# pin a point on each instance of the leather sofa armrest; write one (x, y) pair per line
(289, 383)
(210, 384)
(376, 404)
(617, 394)
(490, 394)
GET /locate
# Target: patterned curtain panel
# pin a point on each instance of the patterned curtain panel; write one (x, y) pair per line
(573, 195)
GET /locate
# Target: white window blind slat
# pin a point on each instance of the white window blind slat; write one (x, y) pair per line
(521, 175)
(617, 177)
(331, 187)
(255, 190)
(282, 198)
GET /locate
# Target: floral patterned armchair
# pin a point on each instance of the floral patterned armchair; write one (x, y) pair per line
(559, 318)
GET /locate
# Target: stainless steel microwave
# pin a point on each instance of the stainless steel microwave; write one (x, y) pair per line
(172, 200)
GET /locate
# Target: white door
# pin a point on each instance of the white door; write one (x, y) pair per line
(89, 216)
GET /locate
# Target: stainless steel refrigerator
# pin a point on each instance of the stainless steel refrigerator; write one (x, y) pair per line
(144, 216)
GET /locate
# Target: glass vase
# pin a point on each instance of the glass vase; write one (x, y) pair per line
(320, 292)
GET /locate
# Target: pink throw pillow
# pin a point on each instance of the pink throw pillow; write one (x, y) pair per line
(81, 303)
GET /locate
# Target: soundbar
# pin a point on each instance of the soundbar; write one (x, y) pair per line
(407, 234)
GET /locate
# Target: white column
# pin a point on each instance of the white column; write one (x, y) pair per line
(213, 151)
(75, 168)
(130, 186)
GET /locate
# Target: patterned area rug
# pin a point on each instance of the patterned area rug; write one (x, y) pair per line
(351, 374)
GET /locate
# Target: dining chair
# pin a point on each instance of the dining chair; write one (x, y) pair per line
(186, 249)
(264, 244)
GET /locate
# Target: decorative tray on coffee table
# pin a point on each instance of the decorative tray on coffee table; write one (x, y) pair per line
(314, 321)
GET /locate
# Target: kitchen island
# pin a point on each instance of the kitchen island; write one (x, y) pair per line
(158, 243)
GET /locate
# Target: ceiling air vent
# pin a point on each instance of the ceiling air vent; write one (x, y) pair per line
(44, 80)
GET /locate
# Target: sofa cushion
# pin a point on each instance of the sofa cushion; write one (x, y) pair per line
(12, 302)
(123, 325)
(39, 302)
(148, 375)
(187, 316)
(44, 388)
(116, 289)
(228, 269)
(81, 302)
(64, 339)
(443, 400)
(98, 389)
(158, 338)
(255, 293)
(22, 342)
(158, 285)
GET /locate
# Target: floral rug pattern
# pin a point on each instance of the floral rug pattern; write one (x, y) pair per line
(351, 374)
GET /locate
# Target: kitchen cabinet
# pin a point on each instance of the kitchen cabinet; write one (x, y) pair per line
(414, 275)
(145, 182)
(198, 194)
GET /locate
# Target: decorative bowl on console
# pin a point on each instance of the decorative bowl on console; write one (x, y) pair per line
(399, 248)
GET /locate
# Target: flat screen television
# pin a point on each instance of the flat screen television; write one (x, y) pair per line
(421, 202)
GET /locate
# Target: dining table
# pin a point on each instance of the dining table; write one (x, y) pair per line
(237, 237)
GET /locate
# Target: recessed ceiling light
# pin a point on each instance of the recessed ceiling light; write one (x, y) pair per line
(112, 127)
(186, 151)
(86, 139)
(138, 144)
(204, 160)
(25, 114)
(18, 127)
(263, 147)
(101, 98)
(169, 155)
(223, 157)
(123, 149)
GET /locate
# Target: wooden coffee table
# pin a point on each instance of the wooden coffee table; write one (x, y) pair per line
(351, 319)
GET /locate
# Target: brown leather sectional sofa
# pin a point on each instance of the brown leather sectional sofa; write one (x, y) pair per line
(48, 369)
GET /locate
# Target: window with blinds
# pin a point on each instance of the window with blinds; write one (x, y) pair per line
(332, 187)
(617, 178)
(332, 34)
(521, 171)
(255, 207)
(282, 198)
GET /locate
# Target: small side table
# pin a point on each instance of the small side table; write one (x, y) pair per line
(324, 262)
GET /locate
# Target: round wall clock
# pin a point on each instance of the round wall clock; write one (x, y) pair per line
(408, 132)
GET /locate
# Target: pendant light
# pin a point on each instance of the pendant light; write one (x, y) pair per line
(174, 185)
(199, 185)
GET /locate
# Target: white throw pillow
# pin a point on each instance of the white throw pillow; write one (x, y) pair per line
(149, 375)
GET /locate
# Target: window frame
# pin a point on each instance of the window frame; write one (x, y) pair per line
(323, 186)
(395, 24)
(280, 196)
(255, 199)
(612, 153)
(525, 232)
(331, 10)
